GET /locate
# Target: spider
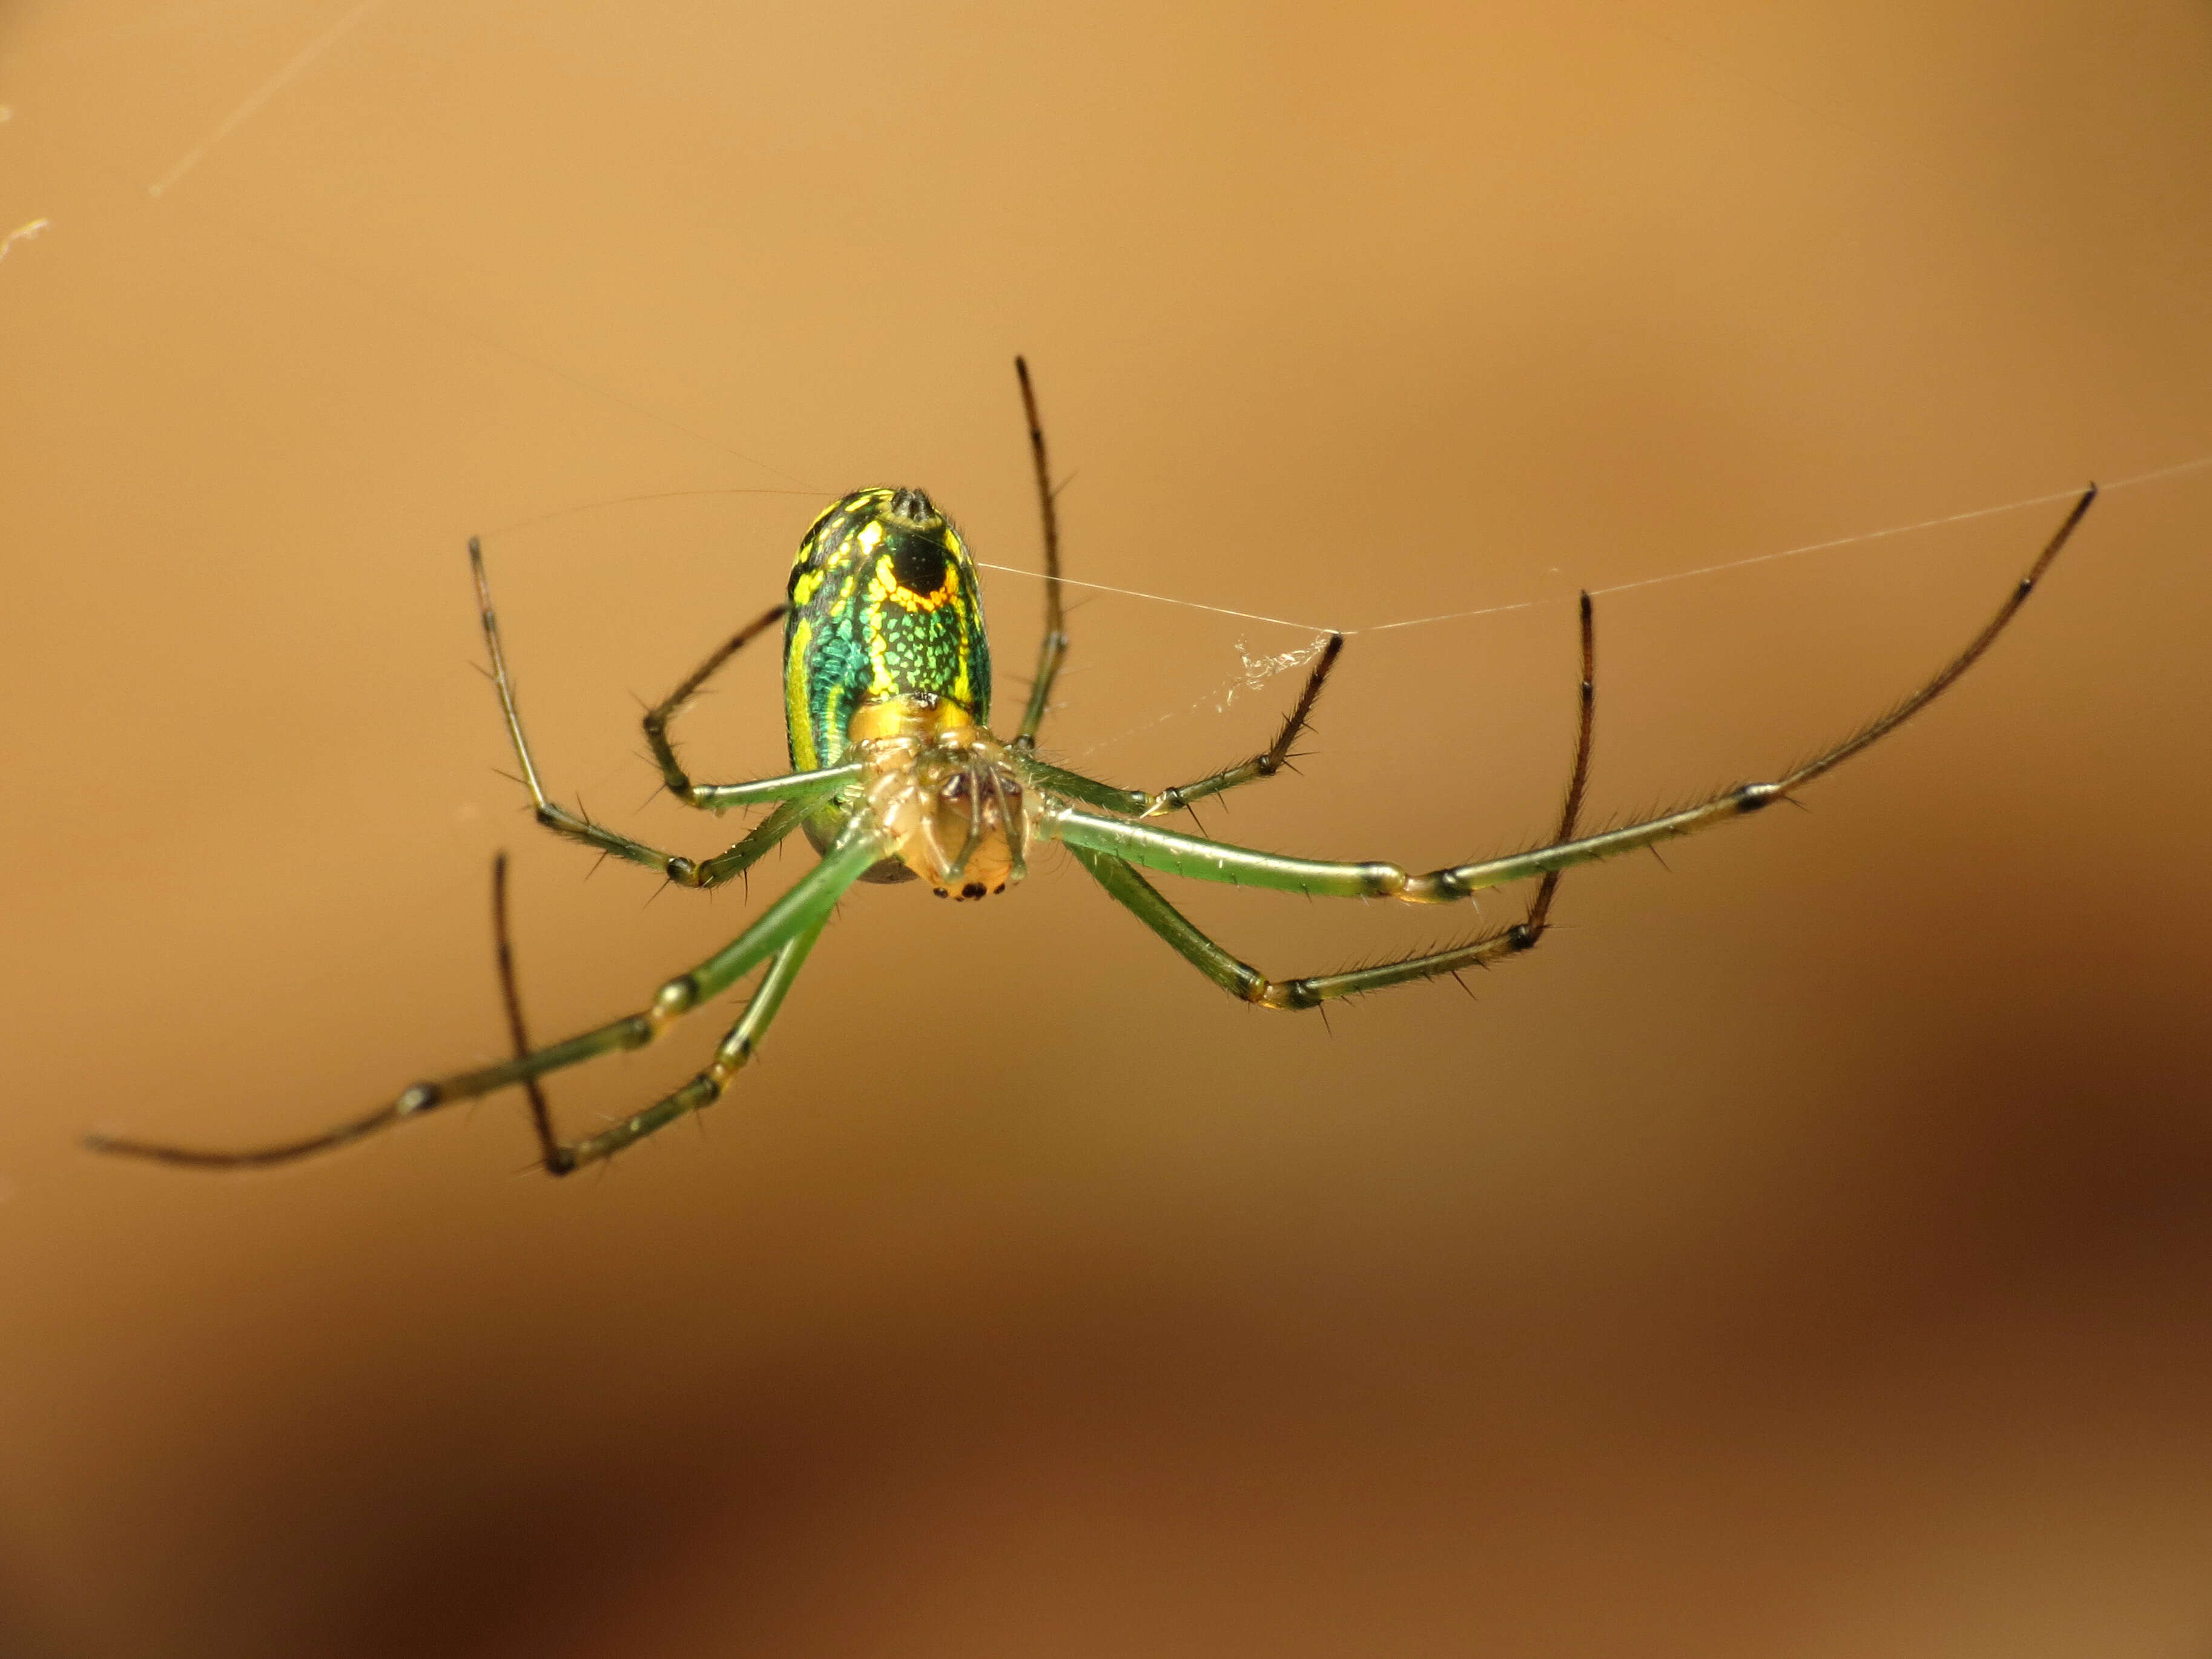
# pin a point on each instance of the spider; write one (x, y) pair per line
(895, 775)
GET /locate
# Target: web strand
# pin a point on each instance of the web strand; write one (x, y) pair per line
(1160, 598)
(2068, 494)
(1256, 670)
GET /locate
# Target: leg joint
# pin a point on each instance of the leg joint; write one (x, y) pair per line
(671, 1001)
(1289, 996)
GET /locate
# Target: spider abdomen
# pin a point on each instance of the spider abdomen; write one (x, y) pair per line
(884, 605)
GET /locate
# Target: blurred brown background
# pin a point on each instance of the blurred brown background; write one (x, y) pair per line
(1806, 1253)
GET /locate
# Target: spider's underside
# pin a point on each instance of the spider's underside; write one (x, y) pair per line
(897, 776)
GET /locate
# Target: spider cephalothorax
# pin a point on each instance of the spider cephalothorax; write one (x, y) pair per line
(947, 798)
(887, 703)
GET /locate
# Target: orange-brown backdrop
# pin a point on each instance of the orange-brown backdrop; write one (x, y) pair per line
(1807, 1253)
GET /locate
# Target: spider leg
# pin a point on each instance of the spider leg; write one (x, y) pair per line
(1205, 861)
(731, 1054)
(794, 921)
(1139, 803)
(1051, 652)
(1539, 908)
(800, 789)
(1240, 979)
(713, 797)
(540, 1111)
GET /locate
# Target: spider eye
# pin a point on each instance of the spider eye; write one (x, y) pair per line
(914, 506)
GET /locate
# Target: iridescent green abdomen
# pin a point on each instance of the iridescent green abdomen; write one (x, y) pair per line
(884, 603)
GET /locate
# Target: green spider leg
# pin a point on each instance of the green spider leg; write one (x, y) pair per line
(1101, 843)
(1053, 649)
(797, 793)
(1149, 803)
(721, 797)
(1241, 979)
(781, 936)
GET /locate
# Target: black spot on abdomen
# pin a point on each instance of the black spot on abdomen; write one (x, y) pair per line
(917, 564)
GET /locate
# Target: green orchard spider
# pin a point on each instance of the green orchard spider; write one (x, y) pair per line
(896, 775)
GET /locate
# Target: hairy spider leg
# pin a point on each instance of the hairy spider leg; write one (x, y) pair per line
(784, 931)
(1151, 804)
(712, 797)
(731, 1055)
(1241, 979)
(1539, 908)
(798, 792)
(510, 996)
(1055, 646)
(1161, 849)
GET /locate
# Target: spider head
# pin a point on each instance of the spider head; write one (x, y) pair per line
(944, 793)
